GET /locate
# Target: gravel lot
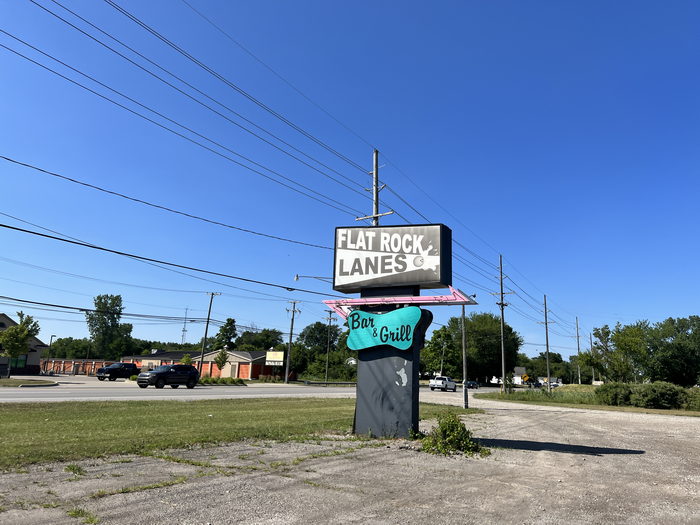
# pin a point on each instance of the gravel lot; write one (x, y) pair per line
(548, 465)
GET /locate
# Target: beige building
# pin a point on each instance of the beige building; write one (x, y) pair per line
(25, 364)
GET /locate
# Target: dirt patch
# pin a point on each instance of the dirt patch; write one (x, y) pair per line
(548, 464)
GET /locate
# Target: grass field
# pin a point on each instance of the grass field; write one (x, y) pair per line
(43, 432)
(575, 396)
(17, 382)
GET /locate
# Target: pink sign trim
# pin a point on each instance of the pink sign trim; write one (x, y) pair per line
(343, 307)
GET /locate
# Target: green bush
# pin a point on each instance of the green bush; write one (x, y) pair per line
(693, 399)
(269, 379)
(206, 380)
(133, 378)
(658, 395)
(617, 394)
(450, 437)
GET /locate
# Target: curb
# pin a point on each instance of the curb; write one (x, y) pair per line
(37, 386)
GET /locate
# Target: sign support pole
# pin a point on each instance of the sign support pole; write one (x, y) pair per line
(465, 396)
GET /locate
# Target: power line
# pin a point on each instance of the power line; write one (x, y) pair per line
(221, 104)
(277, 297)
(395, 193)
(159, 206)
(78, 309)
(233, 85)
(191, 268)
(353, 212)
(250, 53)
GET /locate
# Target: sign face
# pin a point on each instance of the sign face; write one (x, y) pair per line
(394, 328)
(274, 358)
(378, 256)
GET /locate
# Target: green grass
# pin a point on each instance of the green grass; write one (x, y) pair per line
(18, 382)
(88, 517)
(67, 431)
(76, 470)
(581, 400)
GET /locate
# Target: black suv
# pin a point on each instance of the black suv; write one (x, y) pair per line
(173, 375)
(115, 370)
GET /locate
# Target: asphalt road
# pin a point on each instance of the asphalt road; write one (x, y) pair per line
(81, 388)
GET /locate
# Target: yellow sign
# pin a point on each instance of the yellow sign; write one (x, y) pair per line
(525, 378)
(274, 358)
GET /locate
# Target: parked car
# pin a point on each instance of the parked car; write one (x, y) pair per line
(443, 383)
(173, 375)
(115, 370)
(472, 384)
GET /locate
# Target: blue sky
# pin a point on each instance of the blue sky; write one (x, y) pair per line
(560, 134)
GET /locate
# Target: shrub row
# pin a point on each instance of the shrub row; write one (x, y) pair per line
(269, 379)
(206, 380)
(647, 395)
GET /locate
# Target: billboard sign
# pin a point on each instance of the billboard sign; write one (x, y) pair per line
(274, 358)
(385, 256)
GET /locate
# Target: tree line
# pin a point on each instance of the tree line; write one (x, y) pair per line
(665, 351)
(638, 352)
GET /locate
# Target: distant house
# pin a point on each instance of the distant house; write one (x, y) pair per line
(518, 373)
(243, 365)
(25, 364)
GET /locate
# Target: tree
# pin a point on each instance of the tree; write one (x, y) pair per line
(14, 340)
(221, 359)
(262, 340)
(338, 367)
(227, 333)
(70, 348)
(110, 339)
(674, 351)
(313, 343)
(186, 359)
(483, 338)
(619, 354)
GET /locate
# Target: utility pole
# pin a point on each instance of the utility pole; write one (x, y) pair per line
(375, 188)
(578, 350)
(502, 304)
(206, 331)
(590, 338)
(291, 332)
(546, 335)
(328, 345)
(465, 396)
(375, 192)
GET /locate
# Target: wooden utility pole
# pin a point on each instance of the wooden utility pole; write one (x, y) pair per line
(375, 188)
(502, 304)
(375, 192)
(546, 336)
(590, 338)
(206, 331)
(291, 333)
(578, 350)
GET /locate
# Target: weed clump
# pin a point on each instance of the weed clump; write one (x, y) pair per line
(452, 437)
